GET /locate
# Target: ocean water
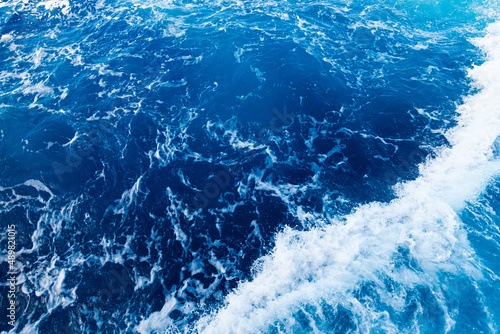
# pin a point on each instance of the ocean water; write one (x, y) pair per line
(250, 166)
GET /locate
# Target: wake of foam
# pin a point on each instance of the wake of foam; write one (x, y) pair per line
(327, 265)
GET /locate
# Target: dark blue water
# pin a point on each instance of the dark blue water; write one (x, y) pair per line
(250, 167)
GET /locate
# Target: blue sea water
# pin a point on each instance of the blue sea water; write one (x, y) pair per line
(250, 166)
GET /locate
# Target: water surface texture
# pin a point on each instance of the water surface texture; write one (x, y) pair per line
(250, 166)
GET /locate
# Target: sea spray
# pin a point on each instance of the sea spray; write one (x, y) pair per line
(327, 265)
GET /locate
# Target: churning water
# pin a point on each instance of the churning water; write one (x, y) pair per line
(250, 166)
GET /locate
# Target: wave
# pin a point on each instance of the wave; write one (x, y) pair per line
(112, 170)
(414, 241)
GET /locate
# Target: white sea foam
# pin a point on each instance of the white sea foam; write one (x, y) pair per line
(328, 263)
(53, 4)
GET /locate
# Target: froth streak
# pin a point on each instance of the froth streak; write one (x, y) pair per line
(326, 263)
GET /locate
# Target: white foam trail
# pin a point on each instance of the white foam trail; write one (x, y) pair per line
(53, 4)
(326, 263)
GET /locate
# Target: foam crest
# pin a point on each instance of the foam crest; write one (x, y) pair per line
(328, 263)
(462, 171)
